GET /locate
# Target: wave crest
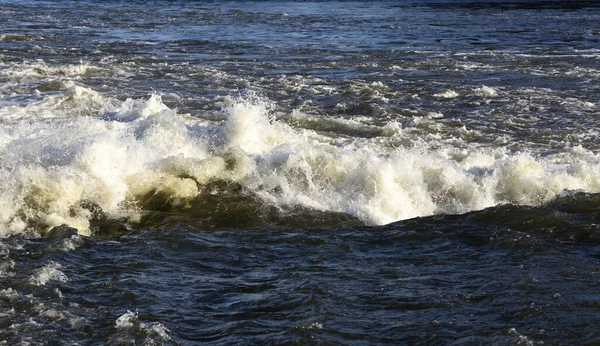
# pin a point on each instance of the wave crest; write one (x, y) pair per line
(135, 157)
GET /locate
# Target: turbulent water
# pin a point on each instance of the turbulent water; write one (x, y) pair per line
(293, 172)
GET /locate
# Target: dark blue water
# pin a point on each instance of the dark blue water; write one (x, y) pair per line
(294, 172)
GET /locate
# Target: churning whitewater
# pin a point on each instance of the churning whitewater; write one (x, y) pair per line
(70, 154)
(398, 172)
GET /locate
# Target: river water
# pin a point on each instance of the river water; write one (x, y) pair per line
(299, 172)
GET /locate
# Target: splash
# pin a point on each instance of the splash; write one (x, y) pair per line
(76, 156)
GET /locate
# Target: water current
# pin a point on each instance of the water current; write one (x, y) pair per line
(299, 172)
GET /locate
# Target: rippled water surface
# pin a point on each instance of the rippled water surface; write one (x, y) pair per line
(297, 172)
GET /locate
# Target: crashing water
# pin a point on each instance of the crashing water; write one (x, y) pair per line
(299, 172)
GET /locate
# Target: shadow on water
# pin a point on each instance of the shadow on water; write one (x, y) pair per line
(503, 275)
(221, 206)
(571, 217)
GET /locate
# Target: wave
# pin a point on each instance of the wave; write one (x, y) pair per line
(71, 156)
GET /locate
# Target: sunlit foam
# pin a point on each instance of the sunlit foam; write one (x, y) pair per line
(126, 157)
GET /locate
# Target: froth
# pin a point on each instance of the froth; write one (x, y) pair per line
(49, 272)
(53, 172)
(249, 128)
(448, 94)
(130, 329)
(486, 91)
(71, 99)
(139, 154)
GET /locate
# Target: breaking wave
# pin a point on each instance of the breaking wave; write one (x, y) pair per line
(71, 156)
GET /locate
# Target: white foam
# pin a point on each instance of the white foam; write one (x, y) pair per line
(8, 313)
(448, 94)
(520, 339)
(125, 155)
(38, 69)
(9, 293)
(50, 169)
(129, 324)
(72, 100)
(49, 272)
(6, 268)
(69, 244)
(53, 314)
(127, 320)
(249, 128)
(486, 91)
(435, 115)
